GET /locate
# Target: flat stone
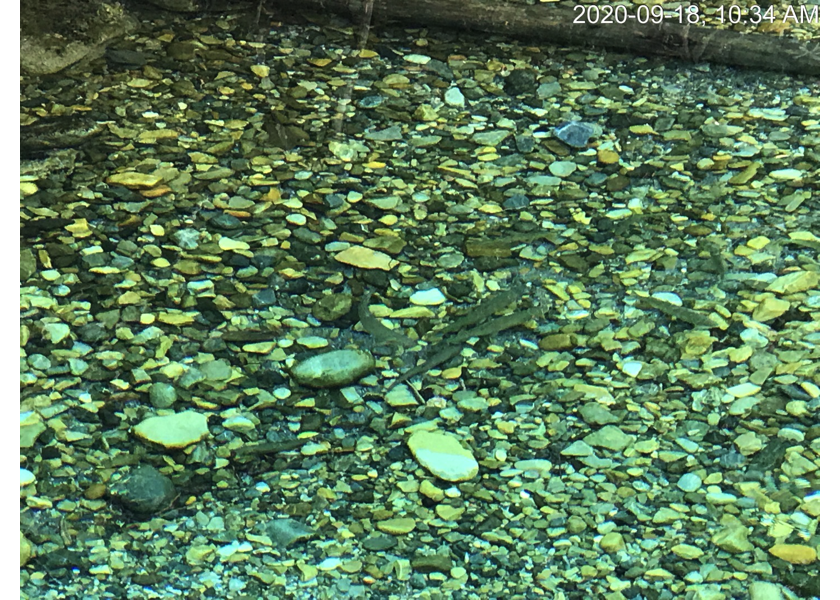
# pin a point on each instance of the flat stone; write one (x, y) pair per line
(135, 181)
(733, 537)
(796, 554)
(443, 455)
(539, 465)
(490, 138)
(763, 590)
(25, 549)
(769, 309)
(174, 431)
(609, 437)
(577, 448)
(56, 332)
(743, 390)
(365, 258)
(430, 297)
(399, 526)
(792, 283)
(687, 551)
(333, 369)
(562, 168)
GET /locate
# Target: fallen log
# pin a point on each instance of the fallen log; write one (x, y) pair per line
(550, 23)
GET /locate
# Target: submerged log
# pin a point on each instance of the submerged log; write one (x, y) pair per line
(549, 23)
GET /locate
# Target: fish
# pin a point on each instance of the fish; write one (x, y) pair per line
(485, 309)
(377, 329)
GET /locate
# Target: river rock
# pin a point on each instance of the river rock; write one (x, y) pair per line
(333, 369)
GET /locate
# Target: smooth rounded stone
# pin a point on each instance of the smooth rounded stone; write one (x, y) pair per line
(337, 368)
(430, 297)
(162, 395)
(443, 455)
(145, 490)
(365, 258)
(574, 133)
(398, 526)
(689, 482)
(287, 532)
(611, 542)
(609, 437)
(763, 590)
(174, 431)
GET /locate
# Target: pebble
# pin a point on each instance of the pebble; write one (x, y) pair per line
(443, 455)
(174, 431)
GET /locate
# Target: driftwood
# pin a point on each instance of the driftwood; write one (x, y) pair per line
(549, 23)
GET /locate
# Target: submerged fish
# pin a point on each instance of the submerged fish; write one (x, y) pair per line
(380, 333)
